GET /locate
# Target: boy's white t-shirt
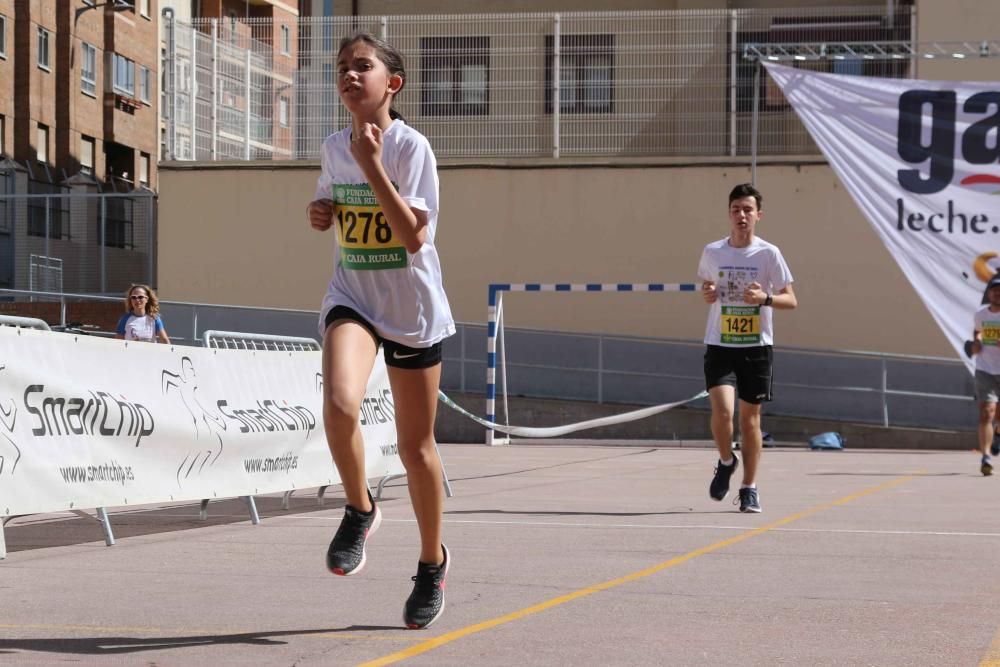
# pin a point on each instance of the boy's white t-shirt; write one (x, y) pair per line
(400, 294)
(988, 359)
(731, 322)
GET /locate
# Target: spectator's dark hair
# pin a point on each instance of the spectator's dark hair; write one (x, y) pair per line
(387, 53)
(746, 190)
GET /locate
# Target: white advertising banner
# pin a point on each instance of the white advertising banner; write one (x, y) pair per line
(920, 158)
(88, 422)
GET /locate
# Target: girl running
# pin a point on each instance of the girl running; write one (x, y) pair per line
(379, 191)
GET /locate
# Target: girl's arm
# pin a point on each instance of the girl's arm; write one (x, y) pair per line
(161, 331)
(409, 225)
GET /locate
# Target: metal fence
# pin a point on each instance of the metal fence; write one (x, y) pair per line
(862, 387)
(77, 241)
(663, 83)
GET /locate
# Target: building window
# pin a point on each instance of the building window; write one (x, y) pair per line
(456, 74)
(283, 111)
(43, 48)
(144, 169)
(144, 8)
(144, 84)
(87, 155)
(123, 71)
(3, 135)
(286, 40)
(88, 69)
(586, 73)
(3, 36)
(117, 230)
(42, 140)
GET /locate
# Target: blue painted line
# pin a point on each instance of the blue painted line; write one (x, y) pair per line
(624, 287)
(533, 287)
(656, 287)
(594, 287)
(564, 287)
(687, 287)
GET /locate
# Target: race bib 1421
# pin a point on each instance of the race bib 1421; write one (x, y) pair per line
(740, 325)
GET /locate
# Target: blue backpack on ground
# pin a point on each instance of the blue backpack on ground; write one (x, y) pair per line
(828, 440)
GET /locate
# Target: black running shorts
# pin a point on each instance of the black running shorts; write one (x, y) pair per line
(396, 355)
(749, 369)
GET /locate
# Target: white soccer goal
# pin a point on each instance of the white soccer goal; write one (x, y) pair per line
(496, 358)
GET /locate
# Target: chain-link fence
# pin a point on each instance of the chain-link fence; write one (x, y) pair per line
(60, 240)
(655, 83)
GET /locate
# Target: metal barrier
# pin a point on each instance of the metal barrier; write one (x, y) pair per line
(102, 513)
(235, 340)
(842, 385)
(891, 390)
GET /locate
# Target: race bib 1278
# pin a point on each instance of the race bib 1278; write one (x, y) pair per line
(364, 234)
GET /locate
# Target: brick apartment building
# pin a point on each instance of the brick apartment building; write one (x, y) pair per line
(237, 70)
(78, 124)
(78, 89)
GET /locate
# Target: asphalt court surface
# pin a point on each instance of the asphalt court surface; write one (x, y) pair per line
(562, 555)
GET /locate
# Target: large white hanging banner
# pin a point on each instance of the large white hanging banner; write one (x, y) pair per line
(87, 422)
(920, 158)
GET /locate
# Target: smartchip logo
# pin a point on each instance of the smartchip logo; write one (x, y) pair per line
(928, 136)
(10, 453)
(100, 414)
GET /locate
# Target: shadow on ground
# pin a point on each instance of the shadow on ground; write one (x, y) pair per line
(34, 532)
(120, 645)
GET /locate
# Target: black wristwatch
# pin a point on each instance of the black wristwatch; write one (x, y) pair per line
(768, 301)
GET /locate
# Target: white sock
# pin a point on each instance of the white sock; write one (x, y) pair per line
(727, 462)
(748, 486)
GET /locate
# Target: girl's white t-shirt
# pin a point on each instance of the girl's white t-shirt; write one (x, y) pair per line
(398, 293)
(135, 327)
(731, 322)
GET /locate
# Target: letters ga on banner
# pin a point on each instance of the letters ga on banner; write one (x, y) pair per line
(89, 422)
(922, 161)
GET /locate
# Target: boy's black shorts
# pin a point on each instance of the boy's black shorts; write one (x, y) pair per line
(749, 369)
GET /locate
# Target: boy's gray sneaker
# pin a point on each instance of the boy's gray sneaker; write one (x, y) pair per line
(749, 500)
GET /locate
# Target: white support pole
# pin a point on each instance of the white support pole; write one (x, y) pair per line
(172, 82)
(733, 25)
(247, 109)
(755, 131)
(556, 75)
(193, 94)
(215, 89)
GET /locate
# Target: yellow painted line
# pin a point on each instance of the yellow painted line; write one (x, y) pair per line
(454, 635)
(992, 657)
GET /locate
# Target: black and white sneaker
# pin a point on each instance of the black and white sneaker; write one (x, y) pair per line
(720, 483)
(995, 445)
(749, 500)
(346, 554)
(426, 602)
(986, 466)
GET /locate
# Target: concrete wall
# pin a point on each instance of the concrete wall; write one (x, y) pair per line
(237, 234)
